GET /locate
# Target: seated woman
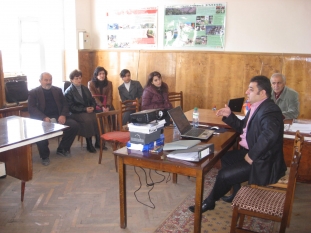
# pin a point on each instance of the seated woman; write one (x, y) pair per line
(101, 90)
(81, 106)
(155, 95)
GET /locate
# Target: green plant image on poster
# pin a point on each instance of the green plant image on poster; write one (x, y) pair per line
(195, 26)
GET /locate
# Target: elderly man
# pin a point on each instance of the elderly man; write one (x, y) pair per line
(260, 158)
(286, 98)
(47, 103)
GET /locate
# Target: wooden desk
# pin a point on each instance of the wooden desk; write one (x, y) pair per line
(16, 136)
(208, 117)
(222, 143)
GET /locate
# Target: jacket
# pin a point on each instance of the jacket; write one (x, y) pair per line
(107, 91)
(152, 99)
(265, 141)
(288, 103)
(76, 103)
(36, 102)
(135, 91)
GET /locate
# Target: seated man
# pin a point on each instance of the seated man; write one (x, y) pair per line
(260, 158)
(286, 98)
(47, 103)
(129, 90)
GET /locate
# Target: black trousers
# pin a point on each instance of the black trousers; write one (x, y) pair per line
(234, 170)
(66, 142)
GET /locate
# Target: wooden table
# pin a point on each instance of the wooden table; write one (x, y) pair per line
(208, 117)
(16, 136)
(222, 143)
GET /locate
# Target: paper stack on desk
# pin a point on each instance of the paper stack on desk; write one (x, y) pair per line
(303, 128)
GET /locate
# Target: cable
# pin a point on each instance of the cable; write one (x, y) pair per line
(148, 185)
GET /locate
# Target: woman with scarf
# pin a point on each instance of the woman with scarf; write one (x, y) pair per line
(155, 95)
(101, 90)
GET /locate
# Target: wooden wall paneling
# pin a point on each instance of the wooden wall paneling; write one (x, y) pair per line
(192, 78)
(2, 92)
(298, 76)
(86, 59)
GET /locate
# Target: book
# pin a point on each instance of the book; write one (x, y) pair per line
(194, 154)
(181, 144)
(146, 128)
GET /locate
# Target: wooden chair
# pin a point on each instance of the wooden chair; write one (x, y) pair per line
(176, 97)
(11, 111)
(267, 203)
(111, 131)
(128, 106)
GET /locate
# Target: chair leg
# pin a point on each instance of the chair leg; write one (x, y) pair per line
(242, 217)
(100, 151)
(234, 220)
(114, 148)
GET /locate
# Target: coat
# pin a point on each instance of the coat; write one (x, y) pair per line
(152, 99)
(135, 91)
(265, 141)
(107, 91)
(36, 102)
(288, 103)
(76, 103)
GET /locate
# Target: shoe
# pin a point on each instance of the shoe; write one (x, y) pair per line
(45, 162)
(205, 207)
(228, 199)
(89, 146)
(63, 152)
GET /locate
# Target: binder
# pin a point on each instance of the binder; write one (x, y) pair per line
(181, 144)
(193, 154)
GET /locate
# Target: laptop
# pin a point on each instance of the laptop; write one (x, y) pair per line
(185, 128)
(236, 105)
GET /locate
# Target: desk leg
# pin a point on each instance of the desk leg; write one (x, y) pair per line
(174, 178)
(122, 192)
(198, 201)
(23, 184)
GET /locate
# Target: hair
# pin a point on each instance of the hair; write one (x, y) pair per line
(41, 75)
(124, 72)
(263, 83)
(95, 74)
(150, 78)
(279, 74)
(75, 73)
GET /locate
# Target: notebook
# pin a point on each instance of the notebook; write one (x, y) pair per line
(185, 128)
(236, 105)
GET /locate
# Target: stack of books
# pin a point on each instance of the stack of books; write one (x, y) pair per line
(146, 137)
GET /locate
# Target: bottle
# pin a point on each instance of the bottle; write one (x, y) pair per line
(195, 117)
(214, 108)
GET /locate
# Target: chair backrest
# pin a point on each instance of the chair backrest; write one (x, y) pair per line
(128, 106)
(16, 110)
(176, 97)
(66, 85)
(109, 121)
(290, 191)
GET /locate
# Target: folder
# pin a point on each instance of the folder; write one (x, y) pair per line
(194, 154)
(181, 144)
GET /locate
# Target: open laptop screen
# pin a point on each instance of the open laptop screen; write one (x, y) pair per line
(236, 105)
(180, 119)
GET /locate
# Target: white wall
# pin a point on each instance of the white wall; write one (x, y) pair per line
(275, 26)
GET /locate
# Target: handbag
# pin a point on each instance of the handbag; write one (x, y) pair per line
(16, 91)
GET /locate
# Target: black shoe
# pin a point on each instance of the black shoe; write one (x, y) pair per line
(89, 146)
(228, 199)
(63, 152)
(45, 162)
(205, 207)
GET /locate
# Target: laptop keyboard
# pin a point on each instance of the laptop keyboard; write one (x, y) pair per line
(195, 132)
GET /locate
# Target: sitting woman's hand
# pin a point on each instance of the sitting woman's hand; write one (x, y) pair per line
(89, 109)
(105, 109)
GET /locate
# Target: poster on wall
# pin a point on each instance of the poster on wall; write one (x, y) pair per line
(201, 26)
(132, 28)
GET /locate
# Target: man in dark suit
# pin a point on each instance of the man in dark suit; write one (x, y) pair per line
(47, 103)
(260, 158)
(129, 90)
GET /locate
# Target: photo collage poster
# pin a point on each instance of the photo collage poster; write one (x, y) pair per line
(195, 26)
(136, 28)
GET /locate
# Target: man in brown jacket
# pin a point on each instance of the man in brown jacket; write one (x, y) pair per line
(47, 103)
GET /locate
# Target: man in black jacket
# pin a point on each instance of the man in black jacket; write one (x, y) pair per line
(47, 103)
(260, 158)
